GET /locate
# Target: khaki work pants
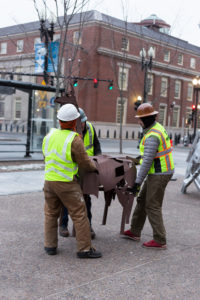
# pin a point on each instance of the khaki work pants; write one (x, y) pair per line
(69, 194)
(149, 203)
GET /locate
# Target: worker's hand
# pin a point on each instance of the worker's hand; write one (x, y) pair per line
(135, 189)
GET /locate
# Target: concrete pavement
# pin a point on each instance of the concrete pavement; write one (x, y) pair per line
(126, 270)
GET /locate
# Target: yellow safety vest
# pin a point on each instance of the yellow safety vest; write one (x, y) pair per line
(56, 148)
(89, 139)
(163, 162)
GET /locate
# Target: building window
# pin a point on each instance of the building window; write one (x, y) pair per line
(175, 116)
(37, 41)
(121, 110)
(189, 92)
(150, 84)
(77, 39)
(180, 59)
(123, 79)
(2, 76)
(18, 76)
(188, 115)
(192, 63)
(166, 55)
(162, 114)
(18, 108)
(20, 45)
(164, 87)
(2, 108)
(177, 90)
(56, 37)
(125, 44)
(3, 48)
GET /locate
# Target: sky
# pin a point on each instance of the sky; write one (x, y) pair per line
(182, 15)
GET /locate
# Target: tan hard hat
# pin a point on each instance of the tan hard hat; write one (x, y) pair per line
(145, 110)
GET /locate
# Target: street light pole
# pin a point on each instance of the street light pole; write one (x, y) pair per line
(146, 65)
(196, 84)
(46, 33)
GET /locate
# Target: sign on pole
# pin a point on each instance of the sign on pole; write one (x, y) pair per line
(40, 52)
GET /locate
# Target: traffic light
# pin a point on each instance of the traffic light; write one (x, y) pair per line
(75, 83)
(110, 87)
(95, 81)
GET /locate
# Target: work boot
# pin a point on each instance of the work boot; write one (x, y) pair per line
(92, 253)
(93, 234)
(51, 250)
(154, 245)
(128, 234)
(63, 231)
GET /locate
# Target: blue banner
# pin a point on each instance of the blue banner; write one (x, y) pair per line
(40, 52)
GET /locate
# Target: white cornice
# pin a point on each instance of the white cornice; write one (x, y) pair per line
(133, 58)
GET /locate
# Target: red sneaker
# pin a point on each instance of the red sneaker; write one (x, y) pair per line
(154, 245)
(128, 234)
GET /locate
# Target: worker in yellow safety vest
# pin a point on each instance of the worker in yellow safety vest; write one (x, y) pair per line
(92, 147)
(156, 170)
(64, 154)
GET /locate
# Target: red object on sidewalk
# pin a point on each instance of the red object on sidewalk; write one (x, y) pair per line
(131, 236)
(154, 245)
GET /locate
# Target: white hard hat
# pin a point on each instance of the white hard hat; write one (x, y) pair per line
(68, 112)
(82, 115)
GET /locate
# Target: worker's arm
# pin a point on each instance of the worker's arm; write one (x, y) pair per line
(80, 156)
(150, 150)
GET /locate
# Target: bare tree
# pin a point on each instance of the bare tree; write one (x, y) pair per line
(67, 49)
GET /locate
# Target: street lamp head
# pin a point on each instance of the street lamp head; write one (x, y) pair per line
(143, 53)
(196, 81)
(151, 52)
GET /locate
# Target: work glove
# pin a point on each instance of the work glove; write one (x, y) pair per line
(134, 189)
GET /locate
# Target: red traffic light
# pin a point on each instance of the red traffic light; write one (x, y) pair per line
(193, 107)
(95, 81)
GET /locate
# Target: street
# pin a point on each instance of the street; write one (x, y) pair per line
(31, 176)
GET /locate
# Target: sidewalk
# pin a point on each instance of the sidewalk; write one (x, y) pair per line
(126, 270)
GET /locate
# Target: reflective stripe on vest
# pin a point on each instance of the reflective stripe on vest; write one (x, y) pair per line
(163, 160)
(57, 166)
(89, 139)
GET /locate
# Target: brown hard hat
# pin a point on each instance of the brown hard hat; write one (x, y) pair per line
(145, 110)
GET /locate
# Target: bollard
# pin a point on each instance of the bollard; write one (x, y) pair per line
(17, 128)
(6, 127)
(99, 133)
(0, 126)
(115, 134)
(133, 134)
(23, 128)
(126, 134)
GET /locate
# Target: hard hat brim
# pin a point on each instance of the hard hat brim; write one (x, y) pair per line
(147, 115)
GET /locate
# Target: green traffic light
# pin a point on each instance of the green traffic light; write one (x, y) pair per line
(110, 87)
(75, 83)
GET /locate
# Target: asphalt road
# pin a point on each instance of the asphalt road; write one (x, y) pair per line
(12, 142)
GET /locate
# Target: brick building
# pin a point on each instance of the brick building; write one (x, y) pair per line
(107, 48)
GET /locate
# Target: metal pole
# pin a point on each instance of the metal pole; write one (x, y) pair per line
(195, 112)
(145, 82)
(28, 138)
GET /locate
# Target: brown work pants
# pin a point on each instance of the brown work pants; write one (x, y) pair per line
(69, 194)
(149, 203)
